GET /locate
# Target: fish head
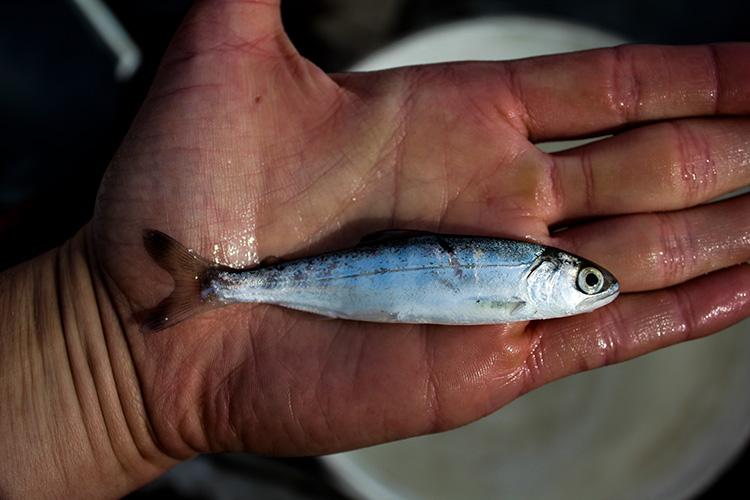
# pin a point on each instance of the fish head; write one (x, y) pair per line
(562, 284)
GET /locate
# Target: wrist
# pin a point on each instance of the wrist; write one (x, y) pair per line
(72, 420)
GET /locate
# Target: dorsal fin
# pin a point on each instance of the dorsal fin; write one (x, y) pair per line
(391, 235)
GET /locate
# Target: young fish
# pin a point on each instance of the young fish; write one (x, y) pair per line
(396, 277)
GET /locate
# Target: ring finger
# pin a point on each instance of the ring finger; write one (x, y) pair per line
(652, 251)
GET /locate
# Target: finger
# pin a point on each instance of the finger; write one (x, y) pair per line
(232, 38)
(658, 167)
(637, 324)
(224, 26)
(589, 92)
(651, 251)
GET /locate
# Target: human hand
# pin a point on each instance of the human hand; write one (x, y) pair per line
(243, 149)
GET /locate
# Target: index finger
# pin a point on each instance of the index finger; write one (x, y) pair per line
(592, 92)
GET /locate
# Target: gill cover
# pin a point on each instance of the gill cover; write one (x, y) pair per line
(560, 284)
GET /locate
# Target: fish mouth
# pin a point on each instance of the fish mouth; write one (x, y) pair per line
(614, 288)
(602, 298)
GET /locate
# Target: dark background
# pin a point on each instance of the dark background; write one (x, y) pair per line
(63, 114)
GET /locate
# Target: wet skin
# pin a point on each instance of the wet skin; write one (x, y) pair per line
(243, 149)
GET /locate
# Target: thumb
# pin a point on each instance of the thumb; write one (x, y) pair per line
(217, 26)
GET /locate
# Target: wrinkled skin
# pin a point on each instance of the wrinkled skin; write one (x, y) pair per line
(244, 149)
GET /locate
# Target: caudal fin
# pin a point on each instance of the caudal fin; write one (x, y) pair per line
(189, 272)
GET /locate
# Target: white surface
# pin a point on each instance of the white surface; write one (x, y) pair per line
(488, 38)
(661, 426)
(113, 35)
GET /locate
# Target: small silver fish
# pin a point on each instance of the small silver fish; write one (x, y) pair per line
(396, 277)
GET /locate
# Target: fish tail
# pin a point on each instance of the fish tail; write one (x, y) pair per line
(190, 273)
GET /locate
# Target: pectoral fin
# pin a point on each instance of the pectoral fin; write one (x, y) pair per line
(516, 307)
(510, 307)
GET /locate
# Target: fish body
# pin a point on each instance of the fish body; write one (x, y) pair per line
(416, 278)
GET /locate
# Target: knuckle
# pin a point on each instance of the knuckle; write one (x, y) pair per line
(684, 318)
(520, 111)
(625, 85)
(587, 177)
(674, 246)
(607, 349)
(713, 66)
(693, 168)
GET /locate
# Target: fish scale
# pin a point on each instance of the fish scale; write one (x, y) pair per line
(405, 278)
(426, 281)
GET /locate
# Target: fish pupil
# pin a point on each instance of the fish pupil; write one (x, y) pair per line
(592, 280)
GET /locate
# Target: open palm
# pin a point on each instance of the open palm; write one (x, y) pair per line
(245, 150)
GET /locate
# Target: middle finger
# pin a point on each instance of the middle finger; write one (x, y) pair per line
(652, 251)
(665, 166)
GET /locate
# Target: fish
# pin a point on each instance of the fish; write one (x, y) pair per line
(392, 277)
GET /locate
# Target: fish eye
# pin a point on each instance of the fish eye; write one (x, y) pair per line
(590, 280)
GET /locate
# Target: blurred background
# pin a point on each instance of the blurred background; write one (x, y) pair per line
(74, 72)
